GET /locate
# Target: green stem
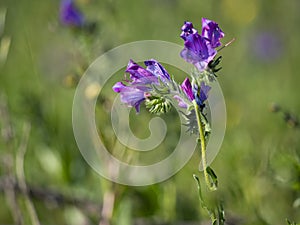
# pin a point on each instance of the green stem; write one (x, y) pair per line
(20, 174)
(209, 184)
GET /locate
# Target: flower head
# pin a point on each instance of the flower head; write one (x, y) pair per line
(200, 49)
(70, 14)
(139, 86)
(197, 51)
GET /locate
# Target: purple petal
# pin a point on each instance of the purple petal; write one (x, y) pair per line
(118, 87)
(201, 65)
(187, 89)
(202, 94)
(199, 46)
(157, 69)
(189, 56)
(187, 29)
(139, 74)
(212, 32)
(132, 96)
(70, 14)
(197, 51)
(204, 89)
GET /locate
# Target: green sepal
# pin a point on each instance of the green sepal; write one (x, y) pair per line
(213, 176)
(158, 105)
(212, 65)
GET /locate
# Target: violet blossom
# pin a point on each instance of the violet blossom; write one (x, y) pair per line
(200, 49)
(266, 45)
(70, 14)
(186, 87)
(134, 91)
(192, 92)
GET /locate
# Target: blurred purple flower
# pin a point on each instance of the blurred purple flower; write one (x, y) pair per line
(70, 14)
(138, 87)
(200, 50)
(266, 45)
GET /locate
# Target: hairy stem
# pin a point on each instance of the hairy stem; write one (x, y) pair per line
(209, 184)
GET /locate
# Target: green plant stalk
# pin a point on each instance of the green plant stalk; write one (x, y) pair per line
(210, 212)
(203, 147)
(20, 174)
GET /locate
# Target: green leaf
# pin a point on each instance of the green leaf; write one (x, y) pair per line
(212, 176)
(210, 212)
(221, 214)
(291, 223)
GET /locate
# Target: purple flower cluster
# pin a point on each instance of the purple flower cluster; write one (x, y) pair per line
(70, 14)
(198, 50)
(135, 90)
(201, 49)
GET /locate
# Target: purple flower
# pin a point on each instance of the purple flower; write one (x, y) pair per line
(193, 93)
(200, 50)
(187, 89)
(70, 14)
(130, 95)
(266, 45)
(138, 87)
(202, 94)
(212, 32)
(139, 75)
(197, 51)
(158, 70)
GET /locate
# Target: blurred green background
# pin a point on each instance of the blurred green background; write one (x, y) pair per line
(259, 163)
